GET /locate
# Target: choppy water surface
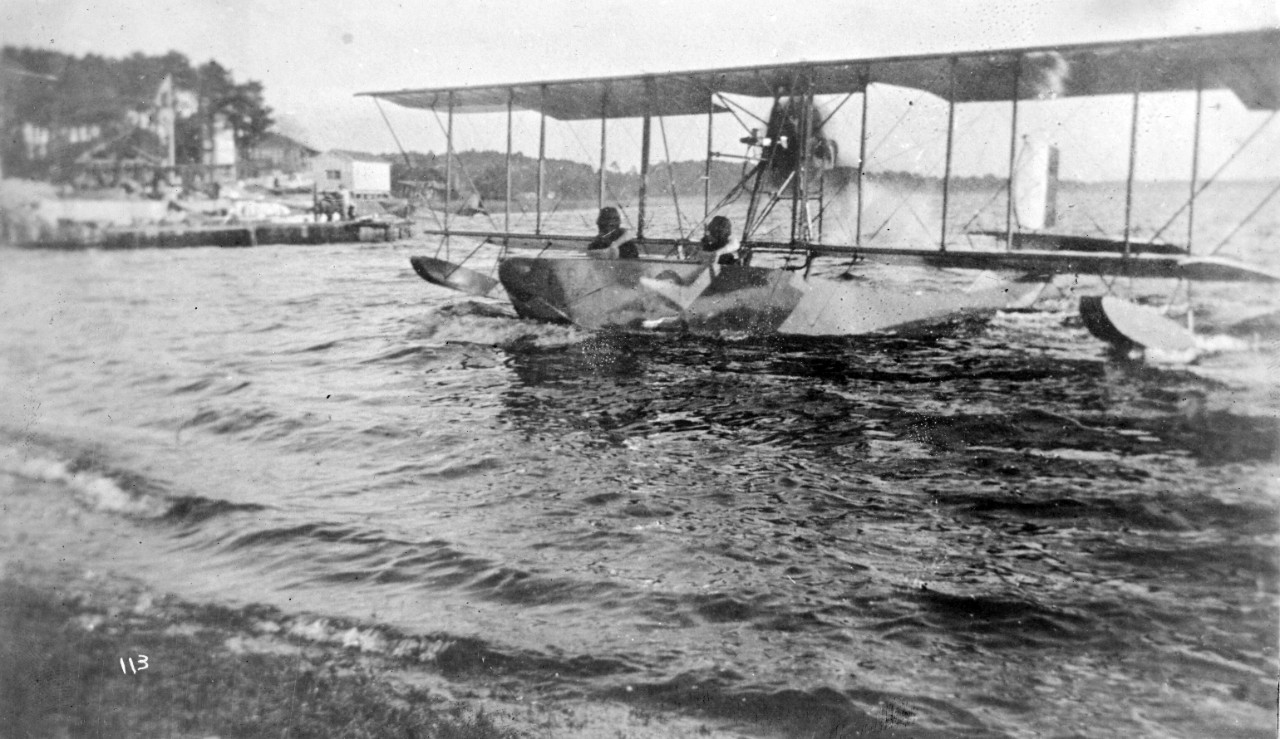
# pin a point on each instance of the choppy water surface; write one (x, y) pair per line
(991, 532)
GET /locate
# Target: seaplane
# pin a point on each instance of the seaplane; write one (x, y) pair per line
(802, 197)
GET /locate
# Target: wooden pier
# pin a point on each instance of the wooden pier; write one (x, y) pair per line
(238, 235)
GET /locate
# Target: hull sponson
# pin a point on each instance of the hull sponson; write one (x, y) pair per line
(598, 294)
(447, 274)
(1124, 324)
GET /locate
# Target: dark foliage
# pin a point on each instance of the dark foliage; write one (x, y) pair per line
(58, 91)
(485, 172)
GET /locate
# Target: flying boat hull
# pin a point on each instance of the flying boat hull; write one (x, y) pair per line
(644, 293)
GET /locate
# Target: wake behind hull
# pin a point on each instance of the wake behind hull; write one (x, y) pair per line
(598, 294)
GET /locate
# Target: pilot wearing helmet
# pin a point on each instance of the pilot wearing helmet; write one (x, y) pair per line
(718, 245)
(612, 241)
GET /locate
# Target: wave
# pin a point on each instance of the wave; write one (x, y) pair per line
(373, 558)
(264, 424)
(814, 712)
(718, 691)
(193, 509)
(197, 386)
(407, 355)
(212, 381)
(101, 487)
(1001, 621)
(473, 322)
(453, 655)
(322, 347)
(98, 490)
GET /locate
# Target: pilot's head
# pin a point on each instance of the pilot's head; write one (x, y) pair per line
(608, 220)
(720, 229)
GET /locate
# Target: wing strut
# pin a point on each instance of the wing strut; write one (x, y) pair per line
(862, 155)
(800, 191)
(604, 120)
(1013, 150)
(462, 168)
(542, 156)
(946, 174)
(1195, 162)
(1191, 198)
(506, 209)
(1133, 162)
(706, 170)
(448, 170)
(749, 226)
(645, 135)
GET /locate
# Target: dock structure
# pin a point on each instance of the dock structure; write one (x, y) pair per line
(238, 235)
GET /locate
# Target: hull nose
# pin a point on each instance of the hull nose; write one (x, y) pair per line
(533, 290)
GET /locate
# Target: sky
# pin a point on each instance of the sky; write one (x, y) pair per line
(314, 55)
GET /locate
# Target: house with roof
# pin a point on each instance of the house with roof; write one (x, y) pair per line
(363, 175)
(277, 154)
(134, 160)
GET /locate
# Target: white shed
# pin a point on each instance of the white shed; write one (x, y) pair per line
(363, 175)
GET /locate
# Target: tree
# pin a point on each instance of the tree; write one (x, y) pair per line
(248, 115)
(241, 106)
(109, 94)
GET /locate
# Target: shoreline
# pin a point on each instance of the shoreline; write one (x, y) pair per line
(95, 654)
(74, 633)
(88, 653)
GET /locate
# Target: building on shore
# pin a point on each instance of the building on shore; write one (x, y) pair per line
(363, 175)
(135, 161)
(275, 154)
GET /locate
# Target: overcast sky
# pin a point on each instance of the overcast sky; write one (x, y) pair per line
(314, 55)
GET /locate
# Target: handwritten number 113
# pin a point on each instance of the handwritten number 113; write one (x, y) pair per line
(139, 666)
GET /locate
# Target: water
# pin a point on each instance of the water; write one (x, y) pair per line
(990, 532)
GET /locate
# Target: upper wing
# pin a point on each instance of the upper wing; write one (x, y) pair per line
(1247, 63)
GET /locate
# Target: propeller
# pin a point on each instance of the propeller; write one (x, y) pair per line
(783, 140)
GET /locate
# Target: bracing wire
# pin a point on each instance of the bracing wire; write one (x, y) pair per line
(759, 182)
(392, 130)
(1274, 191)
(407, 161)
(733, 195)
(671, 179)
(461, 167)
(730, 105)
(1213, 177)
(609, 191)
(832, 114)
(524, 211)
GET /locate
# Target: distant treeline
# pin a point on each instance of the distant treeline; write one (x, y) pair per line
(485, 172)
(60, 93)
